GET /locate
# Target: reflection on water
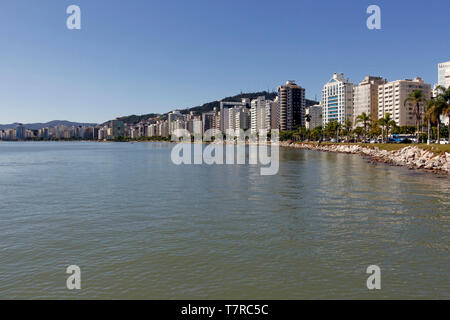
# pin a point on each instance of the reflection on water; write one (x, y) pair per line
(141, 227)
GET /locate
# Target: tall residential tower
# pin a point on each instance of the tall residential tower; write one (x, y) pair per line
(392, 96)
(365, 97)
(337, 99)
(444, 74)
(258, 114)
(444, 81)
(291, 106)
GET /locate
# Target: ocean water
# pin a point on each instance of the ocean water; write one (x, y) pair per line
(140, 227)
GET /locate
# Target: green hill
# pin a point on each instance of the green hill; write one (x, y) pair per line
(136, 119)
(216, 104)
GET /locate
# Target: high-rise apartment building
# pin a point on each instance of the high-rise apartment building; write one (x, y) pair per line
(313, 116)
(337, 100)
(258, 114)
(211, 120)
(231, 118)
(243, 119)
(172, 119)
(274, 114)
(365, 98)
(20, 132)
(444, 81)
(444, 74)
(238, 118)
(271, 111)
(194, 124)
(178, 124)
(118, 129)
(162, 128)
(291, 106)
(225, 106)
(392, 96)
(151, 130)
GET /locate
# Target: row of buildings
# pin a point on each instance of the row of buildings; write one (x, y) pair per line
(53, 132)
(341, 100)
(286, 112)
(375, 96)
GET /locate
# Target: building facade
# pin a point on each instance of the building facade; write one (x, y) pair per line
(271, 111)
(258, 114)
(444, 74)
(20, 132)
(314, 117)
(291, 106)
(392, 96)
(238, 118)
(118, 129)
(365, 98)
(444, 81)
(173, 119)
(224, 111)
(337, 100)
(274, 115)
(211, 120)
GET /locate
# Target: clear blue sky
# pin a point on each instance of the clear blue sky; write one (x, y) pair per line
(143, 56)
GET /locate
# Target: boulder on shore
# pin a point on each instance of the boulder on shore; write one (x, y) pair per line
(411, 156)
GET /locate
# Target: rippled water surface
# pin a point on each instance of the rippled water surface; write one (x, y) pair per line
(141, 227)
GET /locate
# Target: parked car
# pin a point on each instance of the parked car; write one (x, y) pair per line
(443, 141)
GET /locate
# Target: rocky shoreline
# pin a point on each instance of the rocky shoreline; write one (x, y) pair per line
(412, 157)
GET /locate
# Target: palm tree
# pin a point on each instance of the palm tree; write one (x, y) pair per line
(416, 99)
(428, 106)
(386, 124)
(434, 109)
(359, 132)
(391, 125)
(308, 118)
(348, 125)
(382, 123)
(317, 133)
(446, 112)
(328, 129)
(374, 129)
(333, 127)
(365, 119)
(444, 94)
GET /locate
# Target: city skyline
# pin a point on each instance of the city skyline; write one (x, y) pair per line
(319, 100)
(341, 100)
(131, 59)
